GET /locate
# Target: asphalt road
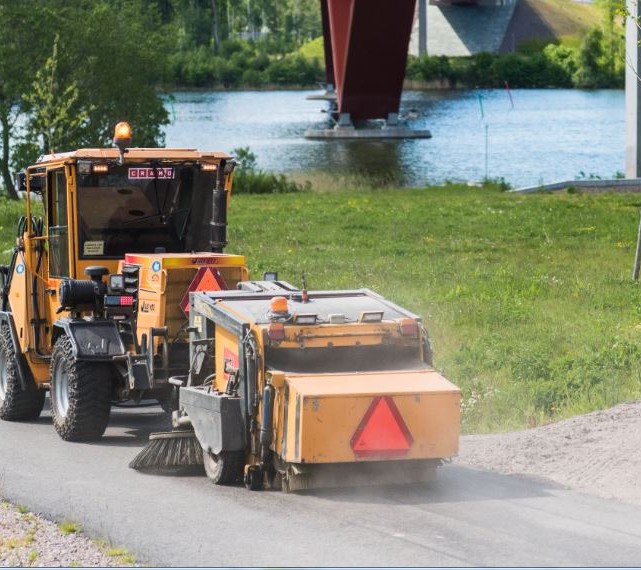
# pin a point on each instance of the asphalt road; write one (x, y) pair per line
(467, 518)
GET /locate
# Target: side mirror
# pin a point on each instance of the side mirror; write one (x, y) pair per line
(21, 181)
(35, 182)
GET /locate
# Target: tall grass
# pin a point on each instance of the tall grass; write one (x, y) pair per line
(528, 298)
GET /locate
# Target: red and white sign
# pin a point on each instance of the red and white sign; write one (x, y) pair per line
(151, 173)
(206, 279)
(382, 431)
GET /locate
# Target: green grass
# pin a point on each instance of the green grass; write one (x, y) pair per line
(10, 213)
(122, 555)
(528, 299)
(69, 527)
(567, 18)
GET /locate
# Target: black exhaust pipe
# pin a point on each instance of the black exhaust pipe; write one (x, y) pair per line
(218, 223)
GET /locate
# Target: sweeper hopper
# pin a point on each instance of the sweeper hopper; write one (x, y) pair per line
(297, 389)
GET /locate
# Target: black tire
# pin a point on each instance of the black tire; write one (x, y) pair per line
(16, 404)
(254, 479)
(169, 401)
(80, 394)
(224, 468)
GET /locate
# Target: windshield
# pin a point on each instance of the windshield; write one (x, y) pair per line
(136, 209)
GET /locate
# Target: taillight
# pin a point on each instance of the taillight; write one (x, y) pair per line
(276, 332)
(409, 327)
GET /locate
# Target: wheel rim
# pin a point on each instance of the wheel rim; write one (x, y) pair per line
(3, 375)
(212, 464)
(61, 388)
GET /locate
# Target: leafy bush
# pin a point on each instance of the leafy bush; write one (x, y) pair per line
(240, 63)
(249, 179)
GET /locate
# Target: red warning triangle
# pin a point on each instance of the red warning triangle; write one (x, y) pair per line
(206, 279)
(382, 431)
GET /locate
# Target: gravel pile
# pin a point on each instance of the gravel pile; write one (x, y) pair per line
(597, 453)
(29, 540)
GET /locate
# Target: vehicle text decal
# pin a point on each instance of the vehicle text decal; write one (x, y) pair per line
(151, 173)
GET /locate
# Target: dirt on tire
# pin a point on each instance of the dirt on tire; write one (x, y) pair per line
(597, 453)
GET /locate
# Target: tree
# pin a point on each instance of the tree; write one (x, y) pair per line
(52, 108)
(103, 68)
(21, 54)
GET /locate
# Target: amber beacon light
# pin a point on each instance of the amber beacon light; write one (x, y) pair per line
(122, 138)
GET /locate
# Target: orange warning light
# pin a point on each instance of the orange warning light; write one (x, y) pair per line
(382, 431)
(122, 131)
(279, 305)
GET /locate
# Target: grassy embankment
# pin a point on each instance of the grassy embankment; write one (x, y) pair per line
(528, 298)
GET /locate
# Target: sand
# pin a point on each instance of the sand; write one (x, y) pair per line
(598, 453)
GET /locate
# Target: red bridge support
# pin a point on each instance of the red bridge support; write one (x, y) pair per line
(366, 44)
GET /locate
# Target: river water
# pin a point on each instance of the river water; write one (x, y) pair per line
(537, 136)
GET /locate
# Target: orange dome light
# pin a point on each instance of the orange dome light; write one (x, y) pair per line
(122, 131)
(278, 306)
(122, 138)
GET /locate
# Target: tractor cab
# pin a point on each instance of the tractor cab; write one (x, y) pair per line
(111, 242)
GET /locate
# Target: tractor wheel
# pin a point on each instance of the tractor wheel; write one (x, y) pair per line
(224, 468)
(80, 394)
(16, 404)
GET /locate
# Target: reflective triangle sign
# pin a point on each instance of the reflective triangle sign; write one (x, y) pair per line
(206, 279)
(382, 431)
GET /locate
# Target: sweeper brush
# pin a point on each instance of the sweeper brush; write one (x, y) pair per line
(170, 452)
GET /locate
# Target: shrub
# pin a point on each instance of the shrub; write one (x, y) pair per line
(249, 179)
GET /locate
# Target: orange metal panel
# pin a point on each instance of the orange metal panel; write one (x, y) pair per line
(324, 413)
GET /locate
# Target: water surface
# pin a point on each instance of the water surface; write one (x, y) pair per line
(548, 135)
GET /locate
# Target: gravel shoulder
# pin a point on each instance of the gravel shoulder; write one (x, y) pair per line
(29, 540)
(597, 453)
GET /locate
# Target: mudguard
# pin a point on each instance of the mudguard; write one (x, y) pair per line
(6, 318)
(91, 339)
(216, 418)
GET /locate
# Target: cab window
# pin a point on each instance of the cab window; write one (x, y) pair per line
(58, 224)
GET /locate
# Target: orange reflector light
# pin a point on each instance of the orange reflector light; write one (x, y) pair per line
(122, 131)
(208, 167)
(409, 327)
(276, 332)
(382, 431)
(100, 168)
(278, 305)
